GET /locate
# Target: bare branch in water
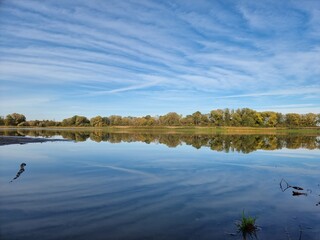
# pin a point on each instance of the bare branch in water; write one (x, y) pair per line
(22, 165)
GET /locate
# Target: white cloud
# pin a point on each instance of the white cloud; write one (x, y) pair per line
(213, 50)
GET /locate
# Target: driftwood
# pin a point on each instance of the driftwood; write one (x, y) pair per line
(284, 185)
(22, 165)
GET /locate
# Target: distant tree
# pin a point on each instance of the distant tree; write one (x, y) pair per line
(69, 121)
(270, 119)
(127, 121)
(14, 119)
(33, 123)
(150, 121)
(227, 117)
(197, 116)
(293, 119)
(170, 119)
(236, 118)
(1, 121)
(187, 120)
(115, 120)
(82, 121)
(309, 120)
(216, 117)
(76, 121)
(96, 121)
(205, 119)
(46, 123)
(258, 119)
(247, 117)
(281, 121)
(106, 121)
(9, 121)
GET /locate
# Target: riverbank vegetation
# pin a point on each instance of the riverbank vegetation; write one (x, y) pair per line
(244, 117)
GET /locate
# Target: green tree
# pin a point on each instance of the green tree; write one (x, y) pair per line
(205, 119)
(236, 118)
(227, 117)
(82, 121)
(1, 121)
(216, 117)
(309, 120)
(96, 121)
(150, 121)
(14, 119)
(293, 119)
(128, 121)
(270, 119)
(77, 121)
(258, 119)
(280, 120)
(69, 121)
(115, 120)
(247, 117)
(187, 120)
(197, 116)
(106, 121)
(170, 119)
(9, 121)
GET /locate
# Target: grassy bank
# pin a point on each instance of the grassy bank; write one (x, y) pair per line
(181, 129)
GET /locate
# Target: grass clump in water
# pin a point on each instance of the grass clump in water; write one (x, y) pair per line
(247, 226)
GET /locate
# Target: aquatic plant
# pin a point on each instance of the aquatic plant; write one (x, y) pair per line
(247, 226)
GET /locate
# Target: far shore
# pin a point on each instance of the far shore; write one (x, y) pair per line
(177, 129)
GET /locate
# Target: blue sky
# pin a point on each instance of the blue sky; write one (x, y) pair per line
(139, 57)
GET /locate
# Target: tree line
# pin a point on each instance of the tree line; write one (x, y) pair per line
(243, 117)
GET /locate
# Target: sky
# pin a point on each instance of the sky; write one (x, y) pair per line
(140, 57)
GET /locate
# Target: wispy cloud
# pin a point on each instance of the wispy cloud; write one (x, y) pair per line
(124, 89)
(284, 92)
(217, 50)
(292, 108)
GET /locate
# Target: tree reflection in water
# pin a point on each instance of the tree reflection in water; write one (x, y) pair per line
(217, 142)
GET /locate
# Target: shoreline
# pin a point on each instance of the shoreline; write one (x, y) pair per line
(175, 129)
(160, 127)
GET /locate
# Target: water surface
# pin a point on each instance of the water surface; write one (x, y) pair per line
(159, 186)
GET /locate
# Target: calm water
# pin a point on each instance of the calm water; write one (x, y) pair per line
(157, 186)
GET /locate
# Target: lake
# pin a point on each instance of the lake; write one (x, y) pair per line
(102, 185)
